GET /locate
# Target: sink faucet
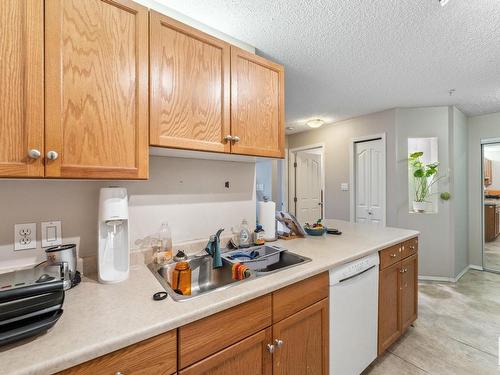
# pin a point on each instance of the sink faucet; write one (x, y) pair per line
(213, 248)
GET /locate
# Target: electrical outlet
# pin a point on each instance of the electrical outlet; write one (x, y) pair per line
(25, 236)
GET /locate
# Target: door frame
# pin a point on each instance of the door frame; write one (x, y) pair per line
(352, 174)
(484, 142)
(292, 182)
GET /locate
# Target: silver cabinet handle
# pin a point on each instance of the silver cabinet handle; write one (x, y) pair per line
(236, 139)
(119, 373)
(279, 343)
(52, 155)
(34, 153)
(228, 138)
(270, 348)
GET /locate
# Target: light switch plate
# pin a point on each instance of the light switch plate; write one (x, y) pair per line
(344, 186)
(51, 233)
(25, 236)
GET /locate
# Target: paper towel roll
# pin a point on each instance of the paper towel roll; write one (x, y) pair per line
(267, 218)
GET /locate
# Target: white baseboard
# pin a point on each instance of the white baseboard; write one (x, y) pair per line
(474, 267)
(450, 279)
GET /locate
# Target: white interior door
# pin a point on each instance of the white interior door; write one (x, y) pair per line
(309, 186)
(370, 180)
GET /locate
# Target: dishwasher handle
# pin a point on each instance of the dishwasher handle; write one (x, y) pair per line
(357, 274)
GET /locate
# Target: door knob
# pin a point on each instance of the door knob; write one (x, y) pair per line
(228, 138)
(34, 153)
(52, 155)
(270, 348)
(279, 343)
(236, 139)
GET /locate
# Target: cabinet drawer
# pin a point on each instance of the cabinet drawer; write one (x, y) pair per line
(390, 256)
(409, 248)
(298, 296)
(157, 355)
(207, 336)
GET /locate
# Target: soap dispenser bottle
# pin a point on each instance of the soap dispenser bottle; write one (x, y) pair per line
(245, 236)
(181, 275)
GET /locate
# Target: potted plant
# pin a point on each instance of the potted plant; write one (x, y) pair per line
(424, 177)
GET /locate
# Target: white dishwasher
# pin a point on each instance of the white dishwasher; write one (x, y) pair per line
(353, 315)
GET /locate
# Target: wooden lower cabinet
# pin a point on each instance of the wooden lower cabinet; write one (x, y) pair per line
(268, 335)
(398, 295)
(301, 342)
(389, 318)
(409, 297)
(157, 355)
(248, 357)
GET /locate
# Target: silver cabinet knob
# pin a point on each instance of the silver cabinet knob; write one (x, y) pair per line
(52, 155)
(228, 138)
(393, 255)
(270, 348)
(236, 139)
(34, 153)
(279, 343)
(119, 373)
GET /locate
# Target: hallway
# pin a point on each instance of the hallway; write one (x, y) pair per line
(456, 333)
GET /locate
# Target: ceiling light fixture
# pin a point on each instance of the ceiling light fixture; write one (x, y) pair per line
(316, 123)
(443, 2)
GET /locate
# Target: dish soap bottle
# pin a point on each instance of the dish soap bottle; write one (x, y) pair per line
(181, 275)
(259, 235)
(244, 240)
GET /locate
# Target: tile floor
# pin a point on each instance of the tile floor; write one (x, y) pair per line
(456, 333)
(492, 255)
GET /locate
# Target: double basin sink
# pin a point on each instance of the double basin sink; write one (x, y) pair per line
(206, 279)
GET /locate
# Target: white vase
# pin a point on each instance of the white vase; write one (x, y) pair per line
(419, 206)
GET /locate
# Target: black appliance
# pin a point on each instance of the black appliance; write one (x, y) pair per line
(31, 301)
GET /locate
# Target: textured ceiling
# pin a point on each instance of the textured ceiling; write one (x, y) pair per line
(347, 58)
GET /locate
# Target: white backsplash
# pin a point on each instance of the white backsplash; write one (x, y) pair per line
(187, 193)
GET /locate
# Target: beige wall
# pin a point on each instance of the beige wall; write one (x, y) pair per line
(188, 193)
(336, 138)
(438, 255)
(480, 128)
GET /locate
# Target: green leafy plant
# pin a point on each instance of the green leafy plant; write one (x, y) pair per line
(424, 176)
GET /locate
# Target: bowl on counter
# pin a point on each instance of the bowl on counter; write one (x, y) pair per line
(315, 232)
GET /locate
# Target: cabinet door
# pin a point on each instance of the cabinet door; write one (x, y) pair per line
(409, 291)
(389, 318)
(248, 357)
(489, 223)
(190, 86)
(21, 95)
(96, 89)
(304, 336)
(257, 105)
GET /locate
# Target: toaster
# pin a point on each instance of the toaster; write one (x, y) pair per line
(31, 301)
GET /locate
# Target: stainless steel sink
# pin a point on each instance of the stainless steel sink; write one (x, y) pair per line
(206, 279)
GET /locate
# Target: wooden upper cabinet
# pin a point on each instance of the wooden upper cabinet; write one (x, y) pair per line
(190, 84)
(21, 95)
(257, 105)
(96, 116)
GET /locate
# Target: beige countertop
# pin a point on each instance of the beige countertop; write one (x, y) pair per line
(99, 319)
(492, 202)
